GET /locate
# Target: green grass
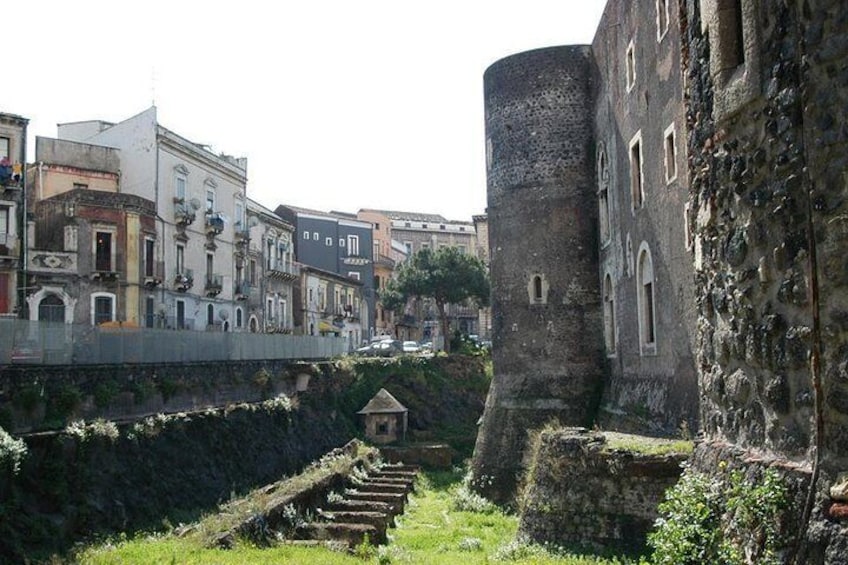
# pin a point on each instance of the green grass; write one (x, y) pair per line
(431, 532)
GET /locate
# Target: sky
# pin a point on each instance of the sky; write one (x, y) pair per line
(338, 105)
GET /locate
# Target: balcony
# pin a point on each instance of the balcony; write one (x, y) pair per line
(106, 267)
(183, 214)
(214, 223)
(283, 270)
(383, 261)
(11, 177)
(242, 290)
(355, 260)
(214, 285)
(184, 280)
(241, 236)
(154, 273)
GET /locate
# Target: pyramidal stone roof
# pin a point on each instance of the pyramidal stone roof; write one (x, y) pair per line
(383, 403)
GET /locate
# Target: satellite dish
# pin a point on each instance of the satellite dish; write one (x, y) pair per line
(223, 314)
(252, 221)
(195, 204)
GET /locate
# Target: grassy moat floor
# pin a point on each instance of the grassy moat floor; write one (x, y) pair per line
(432, 531)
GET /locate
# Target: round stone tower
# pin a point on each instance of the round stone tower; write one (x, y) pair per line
(547, 318)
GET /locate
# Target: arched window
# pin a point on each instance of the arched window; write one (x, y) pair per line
(51, 309)
(645, 294)
(604, 218)
(537, 288)
(210, 315)
(238, 318)
(609, 316)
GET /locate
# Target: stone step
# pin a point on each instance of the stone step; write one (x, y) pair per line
(393, 475)
(351, 534)
(394, 499)
(361, 506)
(376, 519)
(374, 486)
(401, 467)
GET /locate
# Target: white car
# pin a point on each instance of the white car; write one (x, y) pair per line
(411, 347)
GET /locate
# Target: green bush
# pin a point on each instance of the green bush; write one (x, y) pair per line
(725, 520)
(12, 452)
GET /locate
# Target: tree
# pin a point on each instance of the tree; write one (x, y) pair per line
(446, 275)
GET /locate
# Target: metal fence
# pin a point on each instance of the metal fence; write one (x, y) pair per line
(26, 342)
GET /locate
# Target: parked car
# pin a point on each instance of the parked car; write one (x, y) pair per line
(381, 348)
(411, 347)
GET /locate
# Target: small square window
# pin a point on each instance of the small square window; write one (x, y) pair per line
(306, 235)
(315, 235)
(341, 242)
(637, 190)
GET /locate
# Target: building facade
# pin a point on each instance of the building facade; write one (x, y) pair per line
(266, 274)
(338, 244)
(13, 130)
(331, 305)
(197, 194)
(91, 255)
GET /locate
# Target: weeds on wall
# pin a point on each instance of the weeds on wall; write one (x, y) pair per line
(725, 520)
(12, 452)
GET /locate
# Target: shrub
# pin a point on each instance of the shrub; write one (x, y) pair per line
(12, 452)
(722, 520)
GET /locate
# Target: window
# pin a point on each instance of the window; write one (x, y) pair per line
(353, 245)
(253, 271)
(4, 147)
(461, 228)
(377, 226)
(461, 249)
(353, 275)
(282, 313)
(376, 250)
(645, 302)
(306, 235)
(328, 242)
(662, 19)
(4, 224)
(425, 246)
(210, 315)
(181, 319)
(382, 428)
(408, 245)
(210, 264)
(180, 176)
(103, 251)
(269, 309)
(603, 198)
(731, 36)
(341, 242)
(210, 199)
(537, 288)
(149, 312)
(424, 226)
(240, 225)
(315, 236)
(442, 226)
(637, 192)
(239, 318)
(377, 282)
(689, 240)
(181, 260)
(670, 152)
(102, 307)
(609, 316)
(149, 249)
(630, 63)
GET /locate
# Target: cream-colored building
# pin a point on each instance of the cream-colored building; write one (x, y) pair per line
(198, 193)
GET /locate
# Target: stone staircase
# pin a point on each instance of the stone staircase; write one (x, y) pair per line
(366, 509)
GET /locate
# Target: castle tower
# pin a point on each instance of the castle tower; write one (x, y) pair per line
(547, 326)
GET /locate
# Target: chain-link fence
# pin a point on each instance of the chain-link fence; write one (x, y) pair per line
(27, 342)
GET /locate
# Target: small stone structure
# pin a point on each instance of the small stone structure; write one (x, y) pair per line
(385, 418)
(596, 490)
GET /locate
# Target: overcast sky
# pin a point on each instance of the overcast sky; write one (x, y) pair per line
(336, 104)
